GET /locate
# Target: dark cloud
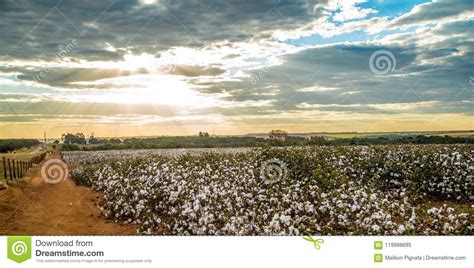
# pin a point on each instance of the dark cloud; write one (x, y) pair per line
(66, 77)
(36, 28)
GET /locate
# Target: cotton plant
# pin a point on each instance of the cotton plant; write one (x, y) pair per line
(347, 190)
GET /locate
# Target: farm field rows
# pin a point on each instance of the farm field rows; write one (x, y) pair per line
(336, 190)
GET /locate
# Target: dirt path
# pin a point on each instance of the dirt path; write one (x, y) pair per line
(38, 208)
(38, 147)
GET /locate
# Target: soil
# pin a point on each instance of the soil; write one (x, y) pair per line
(34, 207)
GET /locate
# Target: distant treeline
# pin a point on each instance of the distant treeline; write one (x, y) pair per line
(8, 145)
(419, 139)
(183, 142)
(217, 142)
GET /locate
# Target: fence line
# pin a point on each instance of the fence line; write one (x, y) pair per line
(16, 169)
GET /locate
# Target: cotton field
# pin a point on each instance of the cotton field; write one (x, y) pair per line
(347, 190)
(94, 157)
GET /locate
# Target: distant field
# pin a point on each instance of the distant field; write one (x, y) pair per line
(457, 134)
(92, 157)
(362, 135)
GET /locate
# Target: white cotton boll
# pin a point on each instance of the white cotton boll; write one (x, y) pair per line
(322, 209)
(401, 229)
(376, 228)
(285, 219)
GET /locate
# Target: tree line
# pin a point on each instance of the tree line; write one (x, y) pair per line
(8, 145)
(277, 139)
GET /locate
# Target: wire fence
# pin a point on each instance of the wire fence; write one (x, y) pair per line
(16, 169)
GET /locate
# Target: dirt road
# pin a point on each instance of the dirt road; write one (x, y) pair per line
(38, 208)
(37, 148)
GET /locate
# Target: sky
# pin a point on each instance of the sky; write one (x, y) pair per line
(169, 67)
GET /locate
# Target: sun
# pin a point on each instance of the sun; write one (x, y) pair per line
(169, 90)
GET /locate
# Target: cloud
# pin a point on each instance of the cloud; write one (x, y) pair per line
(252, 64)
(349, 10)
(321, 78)
(37, 28)
(434, 12)
(192, 71)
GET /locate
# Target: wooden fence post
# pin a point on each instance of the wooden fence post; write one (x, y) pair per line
(18, 169)
(14, 169)
(4, 168)
(9, 168)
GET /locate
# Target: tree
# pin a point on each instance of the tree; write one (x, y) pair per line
(203, 134)
(77, 138)
(278, 135)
